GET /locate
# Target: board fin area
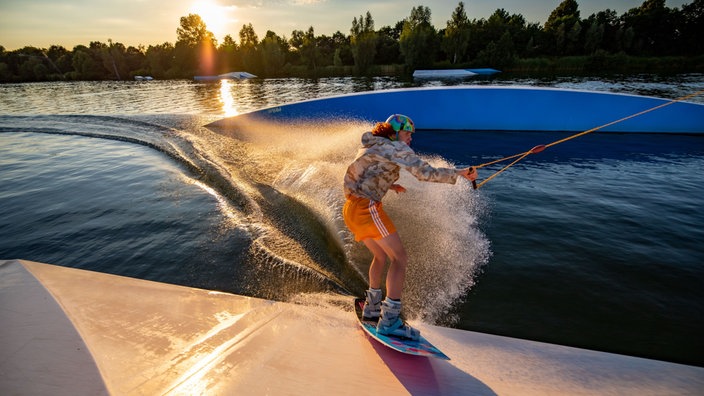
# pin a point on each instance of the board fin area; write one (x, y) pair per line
(420, 347)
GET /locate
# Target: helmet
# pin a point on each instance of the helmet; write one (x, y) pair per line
(401, 122)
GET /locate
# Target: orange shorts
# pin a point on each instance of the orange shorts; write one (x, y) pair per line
(366, 219)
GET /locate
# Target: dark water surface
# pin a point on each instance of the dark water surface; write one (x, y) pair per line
(593, 243)
(112, 206)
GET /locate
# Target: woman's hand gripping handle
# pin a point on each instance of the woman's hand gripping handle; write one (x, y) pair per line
(469, 174)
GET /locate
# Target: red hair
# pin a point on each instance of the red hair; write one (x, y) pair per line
(384, 129)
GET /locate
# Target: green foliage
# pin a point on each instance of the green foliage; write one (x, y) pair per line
(500, 54)
(651, 37)
(691, 26)
(158, 59)
(249, 49)
(192, 31)
(273, 53)
(456, 38)
(566, 14)
(363, 42)
(418, 41)
(388, 50)
(87, 62)
(308, 49)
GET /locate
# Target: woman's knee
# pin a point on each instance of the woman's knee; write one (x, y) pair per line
(379, 259)
(400, 259)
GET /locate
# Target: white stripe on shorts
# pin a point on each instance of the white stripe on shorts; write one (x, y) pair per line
(377, 220)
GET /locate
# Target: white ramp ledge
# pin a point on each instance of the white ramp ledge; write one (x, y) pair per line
(148, 338)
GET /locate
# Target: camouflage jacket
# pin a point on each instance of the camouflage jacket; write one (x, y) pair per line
(378, 166)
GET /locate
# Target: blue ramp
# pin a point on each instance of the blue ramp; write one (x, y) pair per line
(493, 108)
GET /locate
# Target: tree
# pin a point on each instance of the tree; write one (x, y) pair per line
(574, 38)
(158, 59)
(248, 37)
(691, 28)
(113, 56)
(192, 31)
(418, 39)
(273, 49)
(498, 54)
(653, 25)
(249, 43)
(195, 47)
(32, 67)
(60, 58)
(388, 50)
(650, 29)
(135, 60)
(594, 37)
(227, 55)
(326, 50)
(363, 41)
(602, 32)
(496, 25)
(308, 48)
(560, 25)
(456, 38)
(5, 72)
(184, 62)
(566, 13)
(343, 50)
(86, 63)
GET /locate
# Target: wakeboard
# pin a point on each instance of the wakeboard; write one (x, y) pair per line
(421, 347)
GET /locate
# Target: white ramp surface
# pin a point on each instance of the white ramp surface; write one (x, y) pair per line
(41, 353)
(148, 338)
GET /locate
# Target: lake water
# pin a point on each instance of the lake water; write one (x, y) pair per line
(594, 243)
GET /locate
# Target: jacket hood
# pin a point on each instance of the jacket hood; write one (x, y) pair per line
(369, 140)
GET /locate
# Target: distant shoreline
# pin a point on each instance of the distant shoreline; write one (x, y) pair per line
(596, 65)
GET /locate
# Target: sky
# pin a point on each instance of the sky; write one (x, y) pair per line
(42, 23)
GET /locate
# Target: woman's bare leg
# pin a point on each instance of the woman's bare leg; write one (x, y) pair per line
(392, 248)
(376, 269)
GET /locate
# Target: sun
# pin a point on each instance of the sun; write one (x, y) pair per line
(217, 18)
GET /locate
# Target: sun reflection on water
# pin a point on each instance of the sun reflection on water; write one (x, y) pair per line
(227, 98)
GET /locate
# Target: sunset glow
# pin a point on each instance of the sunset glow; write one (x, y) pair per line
(218, 19)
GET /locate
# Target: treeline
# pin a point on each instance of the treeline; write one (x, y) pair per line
(604, 41)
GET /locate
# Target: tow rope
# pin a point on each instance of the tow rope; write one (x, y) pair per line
(542, 147)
